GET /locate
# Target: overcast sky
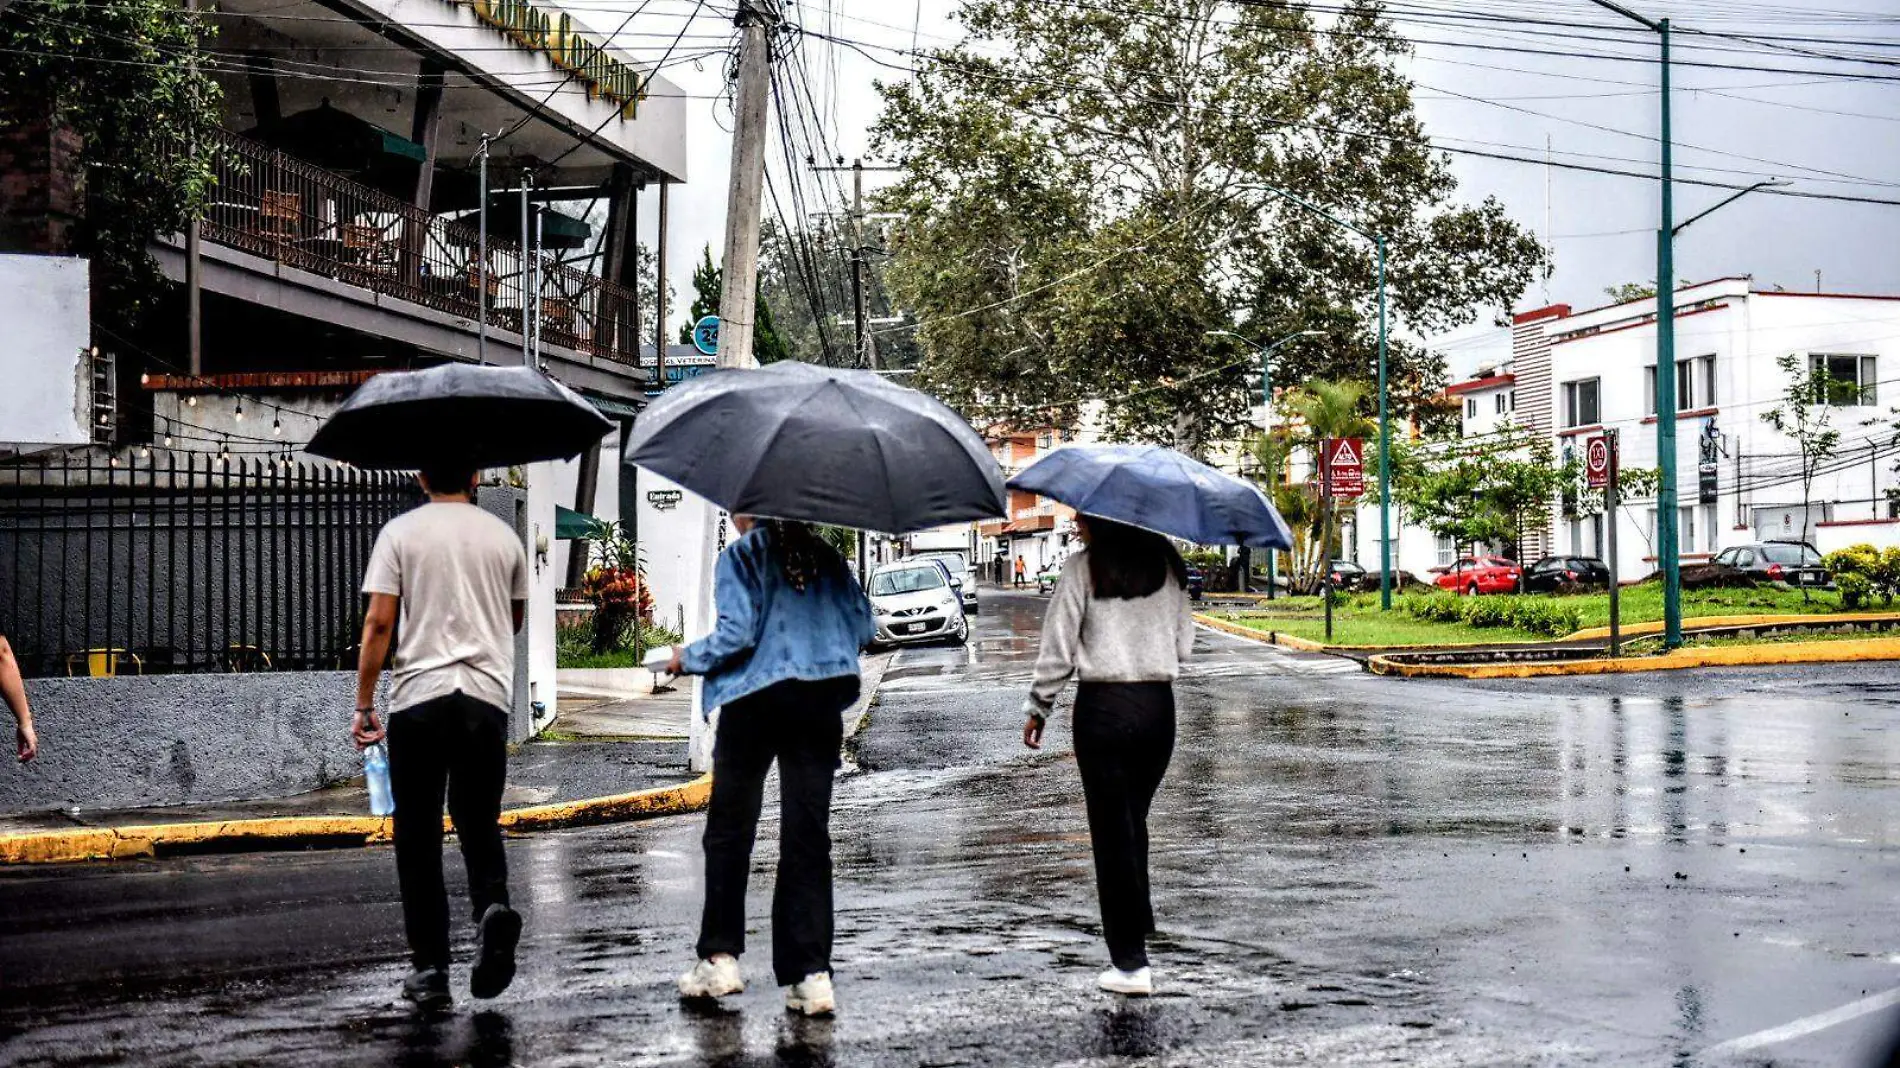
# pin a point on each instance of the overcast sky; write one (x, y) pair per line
(1821, 132)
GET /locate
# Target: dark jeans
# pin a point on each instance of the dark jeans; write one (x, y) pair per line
(800, 725)
(1124, 738)
(459, 745)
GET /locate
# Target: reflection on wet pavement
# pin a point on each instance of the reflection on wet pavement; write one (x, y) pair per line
(1348, 870)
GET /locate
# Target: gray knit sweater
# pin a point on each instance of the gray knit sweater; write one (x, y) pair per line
(1095, 639)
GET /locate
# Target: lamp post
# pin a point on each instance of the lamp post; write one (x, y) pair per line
(1385, 416)
(1667, 546)
(1266, 401)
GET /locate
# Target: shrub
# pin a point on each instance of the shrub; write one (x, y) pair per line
(1862, 571)
(1855, 588)
(1487, 612)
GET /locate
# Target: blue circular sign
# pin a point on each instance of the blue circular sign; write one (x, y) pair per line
(706, 335)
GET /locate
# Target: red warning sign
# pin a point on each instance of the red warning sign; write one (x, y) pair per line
(1596, 462)
(1344, 465)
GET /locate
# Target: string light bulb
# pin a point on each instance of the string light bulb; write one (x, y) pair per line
(240, 410)
(191, 401)
(145, 452)
(276, 427)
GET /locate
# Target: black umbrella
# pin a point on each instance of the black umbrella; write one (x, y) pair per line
(794, 441)
(459, 413)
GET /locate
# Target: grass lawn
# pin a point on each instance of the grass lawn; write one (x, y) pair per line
(1360, 622)
(1354, 625)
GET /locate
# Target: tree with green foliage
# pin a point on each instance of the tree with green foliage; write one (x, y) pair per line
(125, 76)
(1491, 489)
(708, 283)
(1805, 414)
(1081, 204)
(1325, 411)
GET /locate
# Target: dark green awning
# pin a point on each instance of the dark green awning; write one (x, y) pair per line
(569, 524)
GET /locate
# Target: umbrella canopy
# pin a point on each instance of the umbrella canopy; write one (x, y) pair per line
(459, 413)
(1160, 490)
(794, 441)
(569, 524)
(558, 230)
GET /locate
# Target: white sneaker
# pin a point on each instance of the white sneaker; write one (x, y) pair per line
(813, 997)
(715, 977)
(1139, 983)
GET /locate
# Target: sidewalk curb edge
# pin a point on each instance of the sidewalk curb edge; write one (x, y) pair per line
(291, 832)
(1836, 652)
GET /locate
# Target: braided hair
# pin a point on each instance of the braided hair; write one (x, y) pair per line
(800, 552)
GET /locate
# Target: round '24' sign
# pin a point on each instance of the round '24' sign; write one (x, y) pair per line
(706, 335)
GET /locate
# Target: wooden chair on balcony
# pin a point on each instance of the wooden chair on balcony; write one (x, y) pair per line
(370, 248)
(280, 215)
(557, 314)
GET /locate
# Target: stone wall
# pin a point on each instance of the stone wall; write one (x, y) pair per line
(183, 739)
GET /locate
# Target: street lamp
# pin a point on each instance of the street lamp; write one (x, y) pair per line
(1385, 418)
(1667, 546)
(1266, 401)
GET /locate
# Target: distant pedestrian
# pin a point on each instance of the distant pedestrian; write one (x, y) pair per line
(457, 577)
(1120, 624)
(13, 692)
(782, 664)
(1022, 573)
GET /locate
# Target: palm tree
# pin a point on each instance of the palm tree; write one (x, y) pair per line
(1326, 410)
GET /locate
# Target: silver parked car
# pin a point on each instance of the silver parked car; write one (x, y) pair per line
(914, 601)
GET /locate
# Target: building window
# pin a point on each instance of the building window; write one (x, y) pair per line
(1511, 400)
(1046, 440)
(1471, 407)
(1447, 551)
(1850, 379)
(1503, 400)
(1695, 384)
(1580, 403)
(1685, 529)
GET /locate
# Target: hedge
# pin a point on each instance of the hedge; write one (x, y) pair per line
(1537, 615)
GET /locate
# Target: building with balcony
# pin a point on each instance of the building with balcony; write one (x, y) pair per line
(396, 183)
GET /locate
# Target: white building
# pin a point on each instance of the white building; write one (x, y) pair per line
(1575, 375)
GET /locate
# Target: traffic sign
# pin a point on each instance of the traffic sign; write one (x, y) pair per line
(706, 335)
(1345, 467)
(1596, 462)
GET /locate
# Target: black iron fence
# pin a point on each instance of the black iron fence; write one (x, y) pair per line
(187, 562)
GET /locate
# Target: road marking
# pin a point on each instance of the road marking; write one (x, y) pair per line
(1807, 1025)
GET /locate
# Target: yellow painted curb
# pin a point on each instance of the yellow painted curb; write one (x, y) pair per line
(118, 843)
(1637, 630)
(1677, 660)
(1265, 637)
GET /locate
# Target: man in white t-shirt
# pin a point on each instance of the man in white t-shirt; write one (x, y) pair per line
(456, 578)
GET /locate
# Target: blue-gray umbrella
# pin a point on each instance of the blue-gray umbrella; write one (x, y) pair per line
(794, 441)
(459, 413)
(1160, 490)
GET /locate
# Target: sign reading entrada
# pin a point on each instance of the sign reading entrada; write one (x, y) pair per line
(553, 34)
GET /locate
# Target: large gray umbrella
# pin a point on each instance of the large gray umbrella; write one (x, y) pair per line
(794, 441)
(459, 413)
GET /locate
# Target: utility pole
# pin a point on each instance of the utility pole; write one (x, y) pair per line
(194, 268)
(738, 294)
(738, 305)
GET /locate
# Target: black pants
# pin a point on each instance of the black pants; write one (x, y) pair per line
(458, 744)
(800, 725)
(1124, 737)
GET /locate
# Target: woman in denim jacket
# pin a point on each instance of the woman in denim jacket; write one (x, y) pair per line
(782, 665)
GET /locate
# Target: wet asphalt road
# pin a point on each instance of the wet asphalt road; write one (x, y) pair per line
(1682, 868)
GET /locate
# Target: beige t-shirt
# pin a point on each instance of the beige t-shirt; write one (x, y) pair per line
(457, 569)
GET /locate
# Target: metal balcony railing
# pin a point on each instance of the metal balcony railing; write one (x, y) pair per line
(274, 205)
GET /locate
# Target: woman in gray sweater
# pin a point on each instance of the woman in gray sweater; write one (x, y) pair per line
(1119, 623)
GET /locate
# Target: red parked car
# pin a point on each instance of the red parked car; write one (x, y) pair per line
(1484, 574)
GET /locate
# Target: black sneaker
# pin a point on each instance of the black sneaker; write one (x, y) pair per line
(497, 934)
(429, 989)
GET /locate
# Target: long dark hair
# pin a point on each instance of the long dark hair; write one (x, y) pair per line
(1128, 562)
(800, 552)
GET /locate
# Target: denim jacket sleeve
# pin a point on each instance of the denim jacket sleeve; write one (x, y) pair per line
(862, 624)
(736, 594)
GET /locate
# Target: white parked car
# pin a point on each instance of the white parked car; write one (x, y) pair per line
(914, 601)
(962, 573)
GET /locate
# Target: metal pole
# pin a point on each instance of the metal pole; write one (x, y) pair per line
(1326, 538)
(481, 267)
(1667, 547)
(1609, 511)
(1273, 477)
(659, 298)
(521, 277)
(1385, 454)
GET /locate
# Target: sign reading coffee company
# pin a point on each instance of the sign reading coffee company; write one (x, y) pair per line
(553, 34)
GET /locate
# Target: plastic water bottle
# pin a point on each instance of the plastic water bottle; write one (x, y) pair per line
(376, 776)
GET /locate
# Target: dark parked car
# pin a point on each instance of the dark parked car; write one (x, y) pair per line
(1554, 573)
(1350, 577)
(1795, 563)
